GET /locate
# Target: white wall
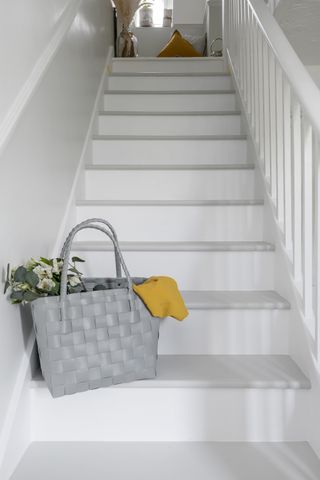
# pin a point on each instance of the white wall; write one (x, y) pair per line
(188, 11)
(25, 29)
(300, 20)
(38, 165)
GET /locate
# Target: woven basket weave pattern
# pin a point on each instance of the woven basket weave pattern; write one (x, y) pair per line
(95, 338)
(100, 342)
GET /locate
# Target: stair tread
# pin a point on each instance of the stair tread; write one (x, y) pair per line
(220, 371)
(241, 299)
(170, 92)
(168, 74)
(170, 137)
(171, 166)
(160, 113)
(160, 460)
(99, 246)
(163, 203)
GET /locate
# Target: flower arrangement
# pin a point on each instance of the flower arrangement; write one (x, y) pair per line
(41, 278)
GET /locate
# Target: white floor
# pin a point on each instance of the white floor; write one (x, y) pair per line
(168, 461)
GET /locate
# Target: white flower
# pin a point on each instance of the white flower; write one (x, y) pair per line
(30, 264)
(46, 284)
(74, 281)
(57, 266)
(43, 272)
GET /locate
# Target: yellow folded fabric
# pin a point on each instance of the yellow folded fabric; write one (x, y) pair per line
(162, 297)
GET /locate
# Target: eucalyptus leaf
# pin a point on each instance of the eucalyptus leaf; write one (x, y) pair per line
(16, 295)
(20, 274)
(30, 296)
(32, 279)
(77, 259)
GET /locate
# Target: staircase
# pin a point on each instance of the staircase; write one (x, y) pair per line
(170, 170)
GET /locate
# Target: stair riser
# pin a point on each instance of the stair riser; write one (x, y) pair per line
(169, 151)
(154, 102)
(168, 65)
(169, 125)
(171, 223)
(172, 185)
(234, 332)
(179, 414)
(192, 270)
(169, 83)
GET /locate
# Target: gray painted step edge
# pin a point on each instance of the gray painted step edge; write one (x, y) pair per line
(101, 246)
(204, 113)
(168, 74)
(170, 137)
(227, 166)
(168, 203)
(220, 371)
(234, 300)
(169, 92)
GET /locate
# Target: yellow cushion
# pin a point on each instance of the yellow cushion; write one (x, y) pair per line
(178, 47)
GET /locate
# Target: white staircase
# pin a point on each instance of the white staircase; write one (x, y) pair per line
(170, 171)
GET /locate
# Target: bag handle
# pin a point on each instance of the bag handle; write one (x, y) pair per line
(67, 252)
(101, 229)
(87, 224)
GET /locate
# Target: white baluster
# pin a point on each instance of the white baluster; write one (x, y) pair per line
(307, 226)
(297, 179)
(273, 128)
(287, 168)
(280, 152)
(266, 102)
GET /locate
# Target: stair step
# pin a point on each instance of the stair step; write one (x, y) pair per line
(177, 220)
(193, 270)
(198, 138)
(162, 74)
(170, 166)
(179, 92)
(168, 65)
(182, 151)
(169, 82)
(222, 300)
(100, 246)
(160, 460)
(173, 203)
(174, 182)
(195, 100)
(131, 113)
(220, 371)
(170, 125)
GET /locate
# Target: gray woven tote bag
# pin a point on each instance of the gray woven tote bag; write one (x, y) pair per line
(97, 338)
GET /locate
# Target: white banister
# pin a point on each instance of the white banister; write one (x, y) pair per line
(282, 105)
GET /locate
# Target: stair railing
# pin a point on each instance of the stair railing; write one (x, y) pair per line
(282, 105)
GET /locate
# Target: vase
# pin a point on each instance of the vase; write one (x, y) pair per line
(146, 16)
(127, 44)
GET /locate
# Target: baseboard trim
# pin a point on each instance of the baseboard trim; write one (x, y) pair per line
(14, 402)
